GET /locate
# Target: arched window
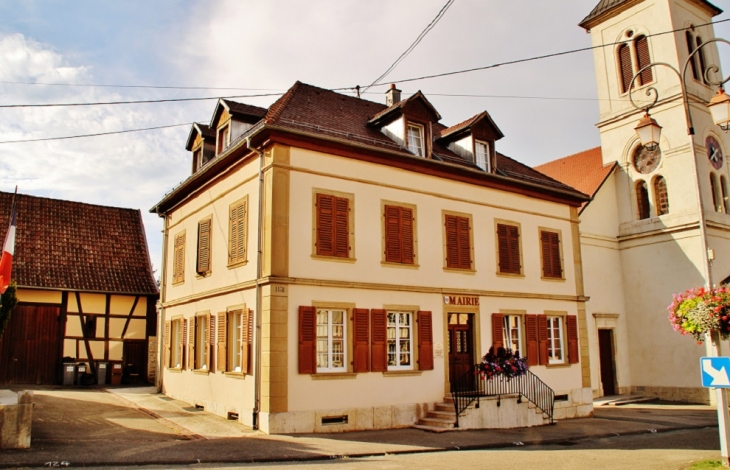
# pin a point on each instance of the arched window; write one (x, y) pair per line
(697, 64)
(715, 195)
(660, 196)
(642, 199)
(633, 56)
(723, 188)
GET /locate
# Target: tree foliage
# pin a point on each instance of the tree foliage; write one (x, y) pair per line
(8, 300)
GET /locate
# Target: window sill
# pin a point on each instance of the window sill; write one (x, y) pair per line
(552, 279)
(178, 283)
(237, 265)
(334, 258)
(203, 275)
(176, 370)
(402, 373)
(235, 375)
(461, 271)
(201, 371)
(512, 275)
(391, 264)
(558, 365)
(333, 375)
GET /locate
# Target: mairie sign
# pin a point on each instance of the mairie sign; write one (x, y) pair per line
(715, 371)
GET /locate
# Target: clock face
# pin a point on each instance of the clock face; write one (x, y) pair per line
(646, 161)
(714, 152)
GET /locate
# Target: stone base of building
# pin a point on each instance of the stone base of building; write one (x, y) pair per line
(699, 395)
(576, 403)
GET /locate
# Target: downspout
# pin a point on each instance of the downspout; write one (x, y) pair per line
(161, 308)
(259, 270)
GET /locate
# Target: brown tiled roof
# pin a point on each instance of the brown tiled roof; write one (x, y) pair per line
(401, 104)
(583, 171)
(75, 246)
(606, 6)
(469, 123)
(243, 109)
(512, 168)
(198, 128)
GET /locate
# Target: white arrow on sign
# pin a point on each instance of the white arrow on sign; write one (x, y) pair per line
(719, 377)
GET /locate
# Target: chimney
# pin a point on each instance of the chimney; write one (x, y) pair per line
(392, 96)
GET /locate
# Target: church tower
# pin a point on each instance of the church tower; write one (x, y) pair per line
(671, 219)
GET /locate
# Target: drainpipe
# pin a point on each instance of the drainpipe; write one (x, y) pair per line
(259, 271)
(161, 309)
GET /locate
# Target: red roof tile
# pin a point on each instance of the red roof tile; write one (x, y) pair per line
(71, 245)
(583, 171)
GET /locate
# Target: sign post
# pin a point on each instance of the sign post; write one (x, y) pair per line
(715, 373)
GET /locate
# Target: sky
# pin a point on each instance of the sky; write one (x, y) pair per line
(70, 51)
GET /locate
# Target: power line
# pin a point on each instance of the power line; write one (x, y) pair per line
(155, 87)
(414, 44)
(169, 100)
(94, 135)
(546, 56)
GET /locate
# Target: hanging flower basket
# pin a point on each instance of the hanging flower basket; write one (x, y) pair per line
(503, 363)
(700, 311)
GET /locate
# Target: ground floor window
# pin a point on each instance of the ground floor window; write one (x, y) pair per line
(400, 334)
(176, 344)
(512, 333)
(331, 334)
(555, 340)
(234, 333)
(201, 342)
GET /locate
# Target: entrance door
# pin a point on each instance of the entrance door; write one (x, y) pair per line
(30, 346)
(605, 350)
(461, 345)
(135, 361)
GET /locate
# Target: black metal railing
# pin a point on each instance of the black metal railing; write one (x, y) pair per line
(472, 385)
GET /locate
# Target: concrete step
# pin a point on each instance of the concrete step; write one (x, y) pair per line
(445, 407)
(432, 428)
(442, 414)
(437, 422)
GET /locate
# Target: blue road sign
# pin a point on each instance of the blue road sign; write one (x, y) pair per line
(715, 371)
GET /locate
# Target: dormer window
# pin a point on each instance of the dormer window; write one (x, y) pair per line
(197, 163)
(415, 139)
(481, 151)
(222, 141)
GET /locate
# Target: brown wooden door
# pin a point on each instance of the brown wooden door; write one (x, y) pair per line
(135, 361)
(605, 348)
(461, 344)
(30, 346)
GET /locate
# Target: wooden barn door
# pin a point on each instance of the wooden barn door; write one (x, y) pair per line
(135, 360)
(30, 346)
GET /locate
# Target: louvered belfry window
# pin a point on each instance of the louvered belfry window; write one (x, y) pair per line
(333, 226)
(508, 246)
(178, 262)
(551, 264)
(237, 232)
(643, 59)
(399, 235)
(632, 57)
(204, 229)
(458, 241)
(625, 67)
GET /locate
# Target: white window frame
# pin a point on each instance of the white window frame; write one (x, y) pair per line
(328, 332)
(175, 342)
(223, 138)
(201, 335)
(416, 150)
(394, 339)
(555, 324)
(233, 335)
(482, 160)
(512, 323)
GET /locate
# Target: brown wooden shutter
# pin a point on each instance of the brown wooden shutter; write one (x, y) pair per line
(178, 262)
(503, 248)
(551, 266)
(307, 340)
(573, 351)
(555, 254)
(497, 331)
(249, 366)
(167, 344)
(379, 344)
(626, 69)
(425, 341)
(508, 244)
(342, 227)
(361, 324)
(221, 351)
(452, 241)
(208, 337)
(533, 354)
(212, 343)
(237, 243)
(204, 229)
(407, 235)
(393, 245)
(464, 243)
(192, 326)
(542, 338)
(325, 226)
(643, 59)
(245, 333)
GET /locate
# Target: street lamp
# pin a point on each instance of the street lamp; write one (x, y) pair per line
(649, 131)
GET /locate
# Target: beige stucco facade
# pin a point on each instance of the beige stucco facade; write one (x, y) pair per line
(632, 267)
(293, 275)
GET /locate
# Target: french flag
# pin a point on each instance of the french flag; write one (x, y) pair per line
(6, 261)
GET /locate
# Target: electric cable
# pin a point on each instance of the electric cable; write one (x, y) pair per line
(94, 135)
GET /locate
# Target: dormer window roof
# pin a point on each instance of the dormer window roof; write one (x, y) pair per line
(480, 125)
(417, 106)
(199, 129)
(238, 111)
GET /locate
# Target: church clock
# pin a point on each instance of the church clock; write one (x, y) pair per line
(714, 152)
(645, 160)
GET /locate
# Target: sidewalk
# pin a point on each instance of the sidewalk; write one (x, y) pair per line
(137, 426)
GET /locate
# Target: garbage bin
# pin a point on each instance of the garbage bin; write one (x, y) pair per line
(116, 374)
(80, 371)
(69, 373)
(101, 368)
